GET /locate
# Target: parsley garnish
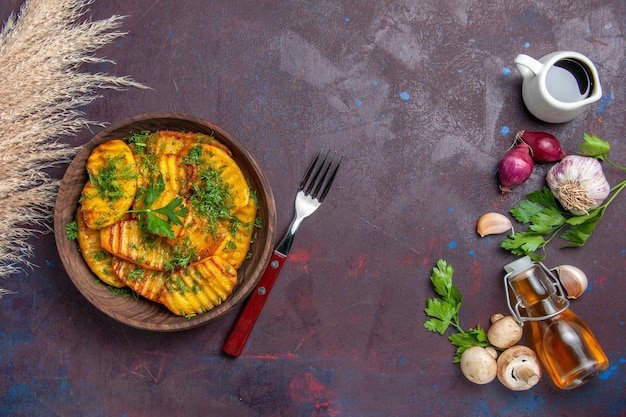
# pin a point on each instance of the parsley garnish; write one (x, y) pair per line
(106, 179)
(212, 198)
(546, 218)
(178, 261)
(71, 230)
(444, 311)
(193, 156)
(124, 292)
(174, 211)
(140, 141)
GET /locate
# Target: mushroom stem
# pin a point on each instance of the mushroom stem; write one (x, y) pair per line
(518, 368)
(526, 374)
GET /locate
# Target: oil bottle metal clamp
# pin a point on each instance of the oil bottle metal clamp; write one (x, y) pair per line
(515, 310)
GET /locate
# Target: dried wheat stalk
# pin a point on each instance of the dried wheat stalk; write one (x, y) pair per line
(42, 90)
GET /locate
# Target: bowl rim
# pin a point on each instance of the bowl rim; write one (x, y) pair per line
(68, 191)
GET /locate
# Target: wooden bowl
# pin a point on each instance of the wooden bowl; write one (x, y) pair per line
(142, 313)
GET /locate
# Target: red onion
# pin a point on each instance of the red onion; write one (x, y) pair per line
(545, 147)
(515, 167)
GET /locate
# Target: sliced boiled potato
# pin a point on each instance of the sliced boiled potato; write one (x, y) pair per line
(147, 170)
(145, 282)
(215, 159)
(234, 248)
(168, 141)
(112, 184)
(198, 236)
(125, 239)
(177, 176)
(199, 287)
(98, 260)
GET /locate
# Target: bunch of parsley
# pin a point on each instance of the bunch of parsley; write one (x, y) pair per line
(547, 219)
(444, 311)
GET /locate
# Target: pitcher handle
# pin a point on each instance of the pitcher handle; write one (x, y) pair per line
(527, 66)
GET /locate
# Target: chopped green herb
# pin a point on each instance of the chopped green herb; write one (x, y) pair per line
(71, 230)
(140, 141)
(444, 311)
(124, 291)
(136, 275)
(230, 245)
(193, 157)
(212, 198)
(178, 261)
(205, 138)
(106, 179)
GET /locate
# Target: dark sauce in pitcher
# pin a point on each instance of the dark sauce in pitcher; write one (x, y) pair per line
(569, 81)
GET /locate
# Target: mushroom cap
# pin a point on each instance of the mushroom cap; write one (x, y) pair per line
(504, 331)
(478, 365)
(518, 368)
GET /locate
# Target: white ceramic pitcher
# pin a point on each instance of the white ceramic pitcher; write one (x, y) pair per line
(560, 86)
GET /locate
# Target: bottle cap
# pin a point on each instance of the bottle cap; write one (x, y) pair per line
(518, 266)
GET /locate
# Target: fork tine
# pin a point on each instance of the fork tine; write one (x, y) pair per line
(317, 181)
(307, 174)
(330, 180)
(315, 193)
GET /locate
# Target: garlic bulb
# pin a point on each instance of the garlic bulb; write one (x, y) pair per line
(578, 183)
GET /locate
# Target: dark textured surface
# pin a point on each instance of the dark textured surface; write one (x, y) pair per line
(422, 98)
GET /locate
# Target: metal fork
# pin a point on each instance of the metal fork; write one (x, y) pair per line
(311, 192)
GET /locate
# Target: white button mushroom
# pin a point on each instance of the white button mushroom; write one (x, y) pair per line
(518, 368)
(479, 364)
(504, 332)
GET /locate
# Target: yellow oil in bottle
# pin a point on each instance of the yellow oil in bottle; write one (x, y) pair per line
(566, 346)
(568, 350)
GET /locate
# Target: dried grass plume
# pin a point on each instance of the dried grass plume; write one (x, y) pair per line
(42, 90)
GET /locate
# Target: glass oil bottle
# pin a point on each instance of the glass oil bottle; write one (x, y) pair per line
(566, 346)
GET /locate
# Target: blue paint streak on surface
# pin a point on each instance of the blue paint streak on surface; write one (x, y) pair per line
(358, 102)
(532, 404)
(504, 130)
(481, 408)
(608, 373)
(604, 101)
(452, 244)
(405, 96)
